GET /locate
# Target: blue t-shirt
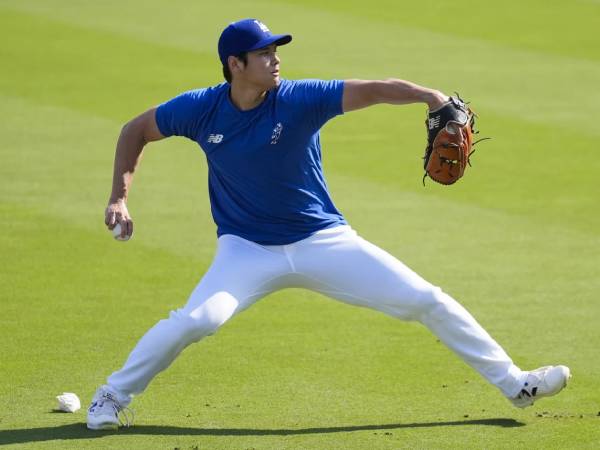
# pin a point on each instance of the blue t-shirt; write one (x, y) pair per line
(265, 177)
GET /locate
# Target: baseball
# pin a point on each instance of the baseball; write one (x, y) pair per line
(68, 402)
(116, 231)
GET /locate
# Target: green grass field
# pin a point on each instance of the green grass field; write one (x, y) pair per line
(516, 241)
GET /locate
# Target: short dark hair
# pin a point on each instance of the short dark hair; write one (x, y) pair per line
(227, 73)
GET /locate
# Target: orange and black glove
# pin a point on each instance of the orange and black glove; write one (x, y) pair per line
(450, 130)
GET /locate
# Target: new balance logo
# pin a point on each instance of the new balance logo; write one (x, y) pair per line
(276, 133)
(434, 122)
(262, 26)
(214, 138)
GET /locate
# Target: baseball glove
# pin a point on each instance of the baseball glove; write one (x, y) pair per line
(450, 130)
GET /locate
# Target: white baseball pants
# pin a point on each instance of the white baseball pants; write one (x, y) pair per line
(335, 262)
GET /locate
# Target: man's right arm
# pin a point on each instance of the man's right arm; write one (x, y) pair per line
(134, 136)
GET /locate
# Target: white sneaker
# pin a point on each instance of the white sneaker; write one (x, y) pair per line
(542, 382)
(103, 413)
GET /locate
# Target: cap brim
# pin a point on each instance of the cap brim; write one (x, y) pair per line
(277, 39)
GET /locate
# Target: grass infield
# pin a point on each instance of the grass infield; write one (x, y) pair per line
(516, 241)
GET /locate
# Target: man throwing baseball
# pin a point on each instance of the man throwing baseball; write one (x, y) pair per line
(277, 225)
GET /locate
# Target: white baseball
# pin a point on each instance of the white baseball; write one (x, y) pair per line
(116, 231)
(68, 402)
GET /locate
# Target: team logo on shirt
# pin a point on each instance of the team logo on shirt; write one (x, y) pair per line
(214, 138)
(276, 133)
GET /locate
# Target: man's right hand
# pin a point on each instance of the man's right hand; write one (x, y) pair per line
(116, 213)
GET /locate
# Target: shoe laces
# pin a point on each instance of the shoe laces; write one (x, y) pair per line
(124, 414)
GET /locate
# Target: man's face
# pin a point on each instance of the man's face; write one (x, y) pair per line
(262, 69)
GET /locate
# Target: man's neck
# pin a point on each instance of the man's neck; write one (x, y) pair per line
(246, 97)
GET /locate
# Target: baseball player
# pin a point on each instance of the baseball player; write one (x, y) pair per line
(277, 226)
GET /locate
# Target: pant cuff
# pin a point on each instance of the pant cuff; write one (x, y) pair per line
(513, 382)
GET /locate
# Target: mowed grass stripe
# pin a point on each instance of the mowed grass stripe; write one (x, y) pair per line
(514, 82)
(533, 28)
(182, 24)
(528, 25)
(526, 169)
(96, 72)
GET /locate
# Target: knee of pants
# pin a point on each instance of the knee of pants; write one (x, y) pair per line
(203, 315)
(192, 329)
(427, 301)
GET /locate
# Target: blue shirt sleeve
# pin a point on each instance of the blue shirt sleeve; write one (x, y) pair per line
(322, 99)
(182, 115)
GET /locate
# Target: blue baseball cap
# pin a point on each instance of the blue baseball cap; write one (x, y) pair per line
(247, 35)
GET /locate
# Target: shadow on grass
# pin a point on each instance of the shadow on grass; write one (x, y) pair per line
(79, 430)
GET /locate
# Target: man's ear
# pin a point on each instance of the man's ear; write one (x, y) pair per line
(236, 65)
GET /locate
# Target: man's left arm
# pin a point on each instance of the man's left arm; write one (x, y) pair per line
(362, 93)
